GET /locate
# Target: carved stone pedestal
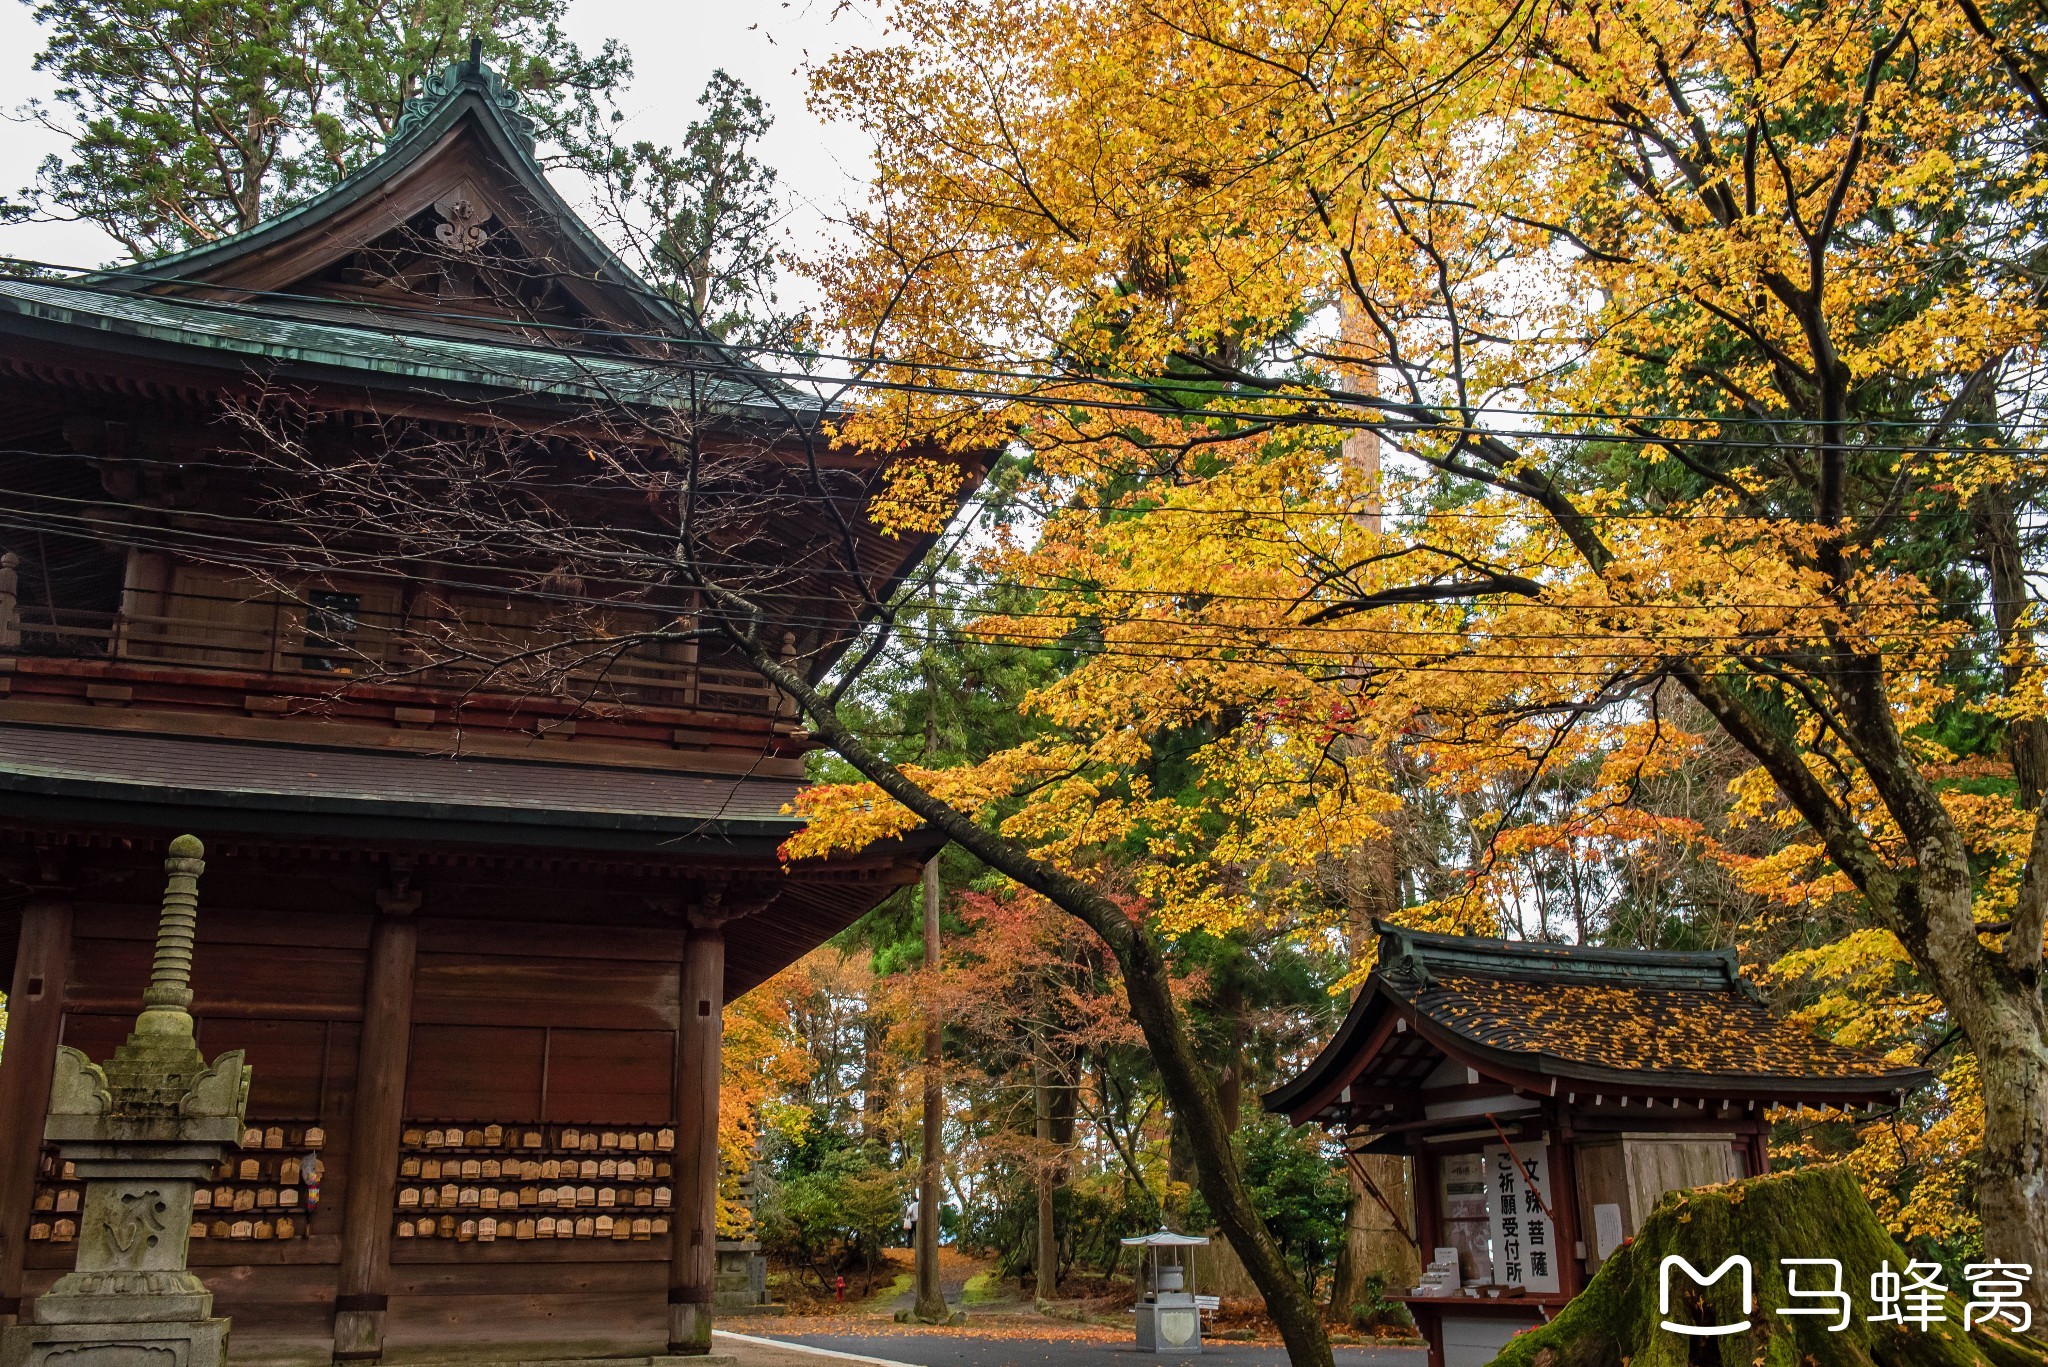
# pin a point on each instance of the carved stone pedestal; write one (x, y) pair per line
(131, 1303)
(187, 1343)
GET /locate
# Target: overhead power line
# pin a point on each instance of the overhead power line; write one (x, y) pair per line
(1467, 652)
(994, 501)
(1395, 416)
(85, 524)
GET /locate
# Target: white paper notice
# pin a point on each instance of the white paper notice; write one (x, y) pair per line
(1606, 1230)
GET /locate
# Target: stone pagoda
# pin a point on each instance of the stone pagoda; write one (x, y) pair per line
(141, 1131)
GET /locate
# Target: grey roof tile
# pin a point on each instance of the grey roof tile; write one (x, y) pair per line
(145, 768)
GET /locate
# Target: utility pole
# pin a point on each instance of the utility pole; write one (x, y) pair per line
(930, 1306)
(931, 1297)
(1373, 1242)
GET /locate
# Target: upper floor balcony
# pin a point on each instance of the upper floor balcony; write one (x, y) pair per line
(388, 653)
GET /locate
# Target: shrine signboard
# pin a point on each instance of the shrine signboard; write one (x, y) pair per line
(1519, 1203)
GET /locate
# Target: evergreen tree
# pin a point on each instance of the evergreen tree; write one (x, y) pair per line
(704, 215)
(192, 119)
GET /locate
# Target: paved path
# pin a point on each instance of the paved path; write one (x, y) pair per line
(939, 1349)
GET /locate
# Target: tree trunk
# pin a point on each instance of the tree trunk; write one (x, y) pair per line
(1354, 1258)
(1995, 996)
(931, 1297)
(1372, 1244)
(2012, 1195)
(1045, 1260)
(1996, 999)
(874, 1082)
(1062, 1109)
(1998, 540)
(1148, 987)
(1180, 1170)
(1066, 1110)
(1372, 1241)
(2012, 1171)
(1229, 1004)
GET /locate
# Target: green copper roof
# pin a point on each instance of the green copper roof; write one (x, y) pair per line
(256, 339)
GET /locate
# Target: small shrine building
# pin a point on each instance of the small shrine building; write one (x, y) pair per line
(474, 933)
(1546, 1096)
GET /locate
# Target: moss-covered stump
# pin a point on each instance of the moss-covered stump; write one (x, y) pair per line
(1812, 1213)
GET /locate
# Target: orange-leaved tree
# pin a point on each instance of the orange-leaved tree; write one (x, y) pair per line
(1164, 791)
(763, 1061)
(1707, 338)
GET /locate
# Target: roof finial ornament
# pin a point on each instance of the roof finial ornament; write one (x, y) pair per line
(467, 77)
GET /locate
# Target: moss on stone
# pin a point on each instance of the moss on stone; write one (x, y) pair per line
(1810, 1213)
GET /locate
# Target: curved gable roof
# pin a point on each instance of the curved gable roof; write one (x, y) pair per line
(466, 127)
(1613, 1020)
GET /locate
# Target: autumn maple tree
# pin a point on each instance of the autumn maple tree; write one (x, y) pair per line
(1705, 339)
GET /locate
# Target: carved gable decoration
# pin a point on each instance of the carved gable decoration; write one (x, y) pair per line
(468, 260)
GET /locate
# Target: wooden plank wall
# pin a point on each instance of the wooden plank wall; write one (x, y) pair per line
(287, 988)
(512, 1023)
(553, 1024)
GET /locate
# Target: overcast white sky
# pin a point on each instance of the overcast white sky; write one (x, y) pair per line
(676, 46)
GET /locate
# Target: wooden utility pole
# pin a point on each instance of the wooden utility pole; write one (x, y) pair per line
(1373, 1241)
(931, 1296)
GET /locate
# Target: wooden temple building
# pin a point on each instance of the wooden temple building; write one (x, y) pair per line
(475, 935)
(1545, 1097)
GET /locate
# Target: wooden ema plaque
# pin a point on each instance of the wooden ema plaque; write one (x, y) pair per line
(270, 1191)
(470, 1183)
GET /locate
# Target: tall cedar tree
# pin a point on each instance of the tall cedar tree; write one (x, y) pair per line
(193, 119)
(703, 216)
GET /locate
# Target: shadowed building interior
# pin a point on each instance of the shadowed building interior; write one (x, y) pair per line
(474, 935)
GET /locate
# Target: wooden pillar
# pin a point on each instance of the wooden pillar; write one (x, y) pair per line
(372, 1174)
(1429, 1231)
(1564, 1207)
(693, 1249)
(35, 1023)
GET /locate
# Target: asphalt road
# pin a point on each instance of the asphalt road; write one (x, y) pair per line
(944, 1350)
